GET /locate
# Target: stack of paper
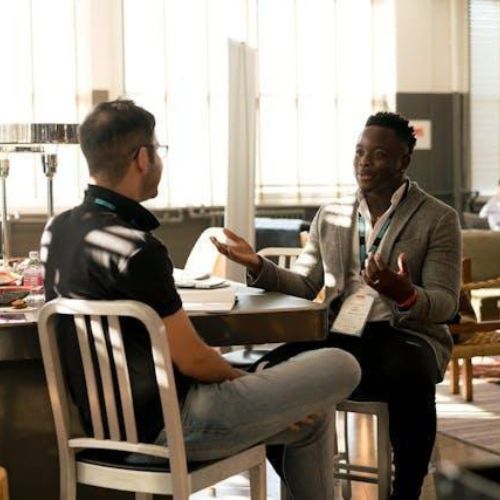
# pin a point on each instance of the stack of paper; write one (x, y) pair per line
(210, 300)
(185, 279)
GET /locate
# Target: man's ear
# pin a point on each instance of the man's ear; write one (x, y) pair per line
(142, 160)
(405, 162)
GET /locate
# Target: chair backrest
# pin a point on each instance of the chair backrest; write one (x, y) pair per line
(204, 257)
(483, 248)
(98, 328)
(473, 221)
(285, 256)
(465, 308)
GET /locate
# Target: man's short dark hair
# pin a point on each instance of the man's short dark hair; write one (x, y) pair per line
(396, 122)
(111, 134)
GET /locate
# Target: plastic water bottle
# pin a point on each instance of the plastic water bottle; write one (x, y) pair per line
(33, 278)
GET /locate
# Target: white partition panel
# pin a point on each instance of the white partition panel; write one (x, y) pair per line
(240, 206)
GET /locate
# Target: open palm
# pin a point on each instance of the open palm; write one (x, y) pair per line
(238, 250)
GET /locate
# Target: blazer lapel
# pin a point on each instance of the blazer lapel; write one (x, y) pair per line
(403, 213)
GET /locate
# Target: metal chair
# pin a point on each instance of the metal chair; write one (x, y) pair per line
(98, 460)
(347, 471)
(285, 256)
(382, 473)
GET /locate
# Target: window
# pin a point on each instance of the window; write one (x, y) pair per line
(39, 84)
(317, 86)
(322, 70)
(485, 94)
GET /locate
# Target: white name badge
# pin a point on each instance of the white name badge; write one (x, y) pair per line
(353, 314)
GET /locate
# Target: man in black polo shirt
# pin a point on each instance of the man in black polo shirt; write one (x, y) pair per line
(104, 249)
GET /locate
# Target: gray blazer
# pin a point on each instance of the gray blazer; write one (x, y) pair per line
(424, 228)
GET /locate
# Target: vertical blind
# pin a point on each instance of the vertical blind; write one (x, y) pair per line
(485, 94)
(322, 69)
(39, 84)
(316, 75)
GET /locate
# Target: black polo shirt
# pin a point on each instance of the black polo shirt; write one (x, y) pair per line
(104, 250)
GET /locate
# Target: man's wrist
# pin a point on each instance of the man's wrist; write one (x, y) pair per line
(409, 301)
(256, 268)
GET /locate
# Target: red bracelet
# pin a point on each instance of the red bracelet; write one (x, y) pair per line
(409, 301)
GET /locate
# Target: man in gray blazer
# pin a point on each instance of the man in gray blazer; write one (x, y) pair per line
(389, 260)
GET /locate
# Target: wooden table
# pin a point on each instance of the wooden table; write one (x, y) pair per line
(256, 318)
(28, 448)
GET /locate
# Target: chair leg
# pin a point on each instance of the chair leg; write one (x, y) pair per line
(468, 379)
(258, 482)
(455, 374)
(384, 459)
(4, 486)
(346, 483)
(67, 480)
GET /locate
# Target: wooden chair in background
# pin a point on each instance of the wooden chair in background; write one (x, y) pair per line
(472, 338)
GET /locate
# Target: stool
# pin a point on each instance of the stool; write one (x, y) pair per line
(479, 344)
(382, 473)
(4, 486)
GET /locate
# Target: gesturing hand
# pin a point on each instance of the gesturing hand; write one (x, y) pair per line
(238, 251)
(395, 285)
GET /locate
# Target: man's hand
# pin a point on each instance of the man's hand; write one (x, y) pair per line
(239, 251)
(395, 285)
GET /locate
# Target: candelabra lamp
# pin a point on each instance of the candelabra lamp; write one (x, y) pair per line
(40, 139)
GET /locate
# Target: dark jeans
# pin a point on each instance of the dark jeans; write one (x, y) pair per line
(401, 369)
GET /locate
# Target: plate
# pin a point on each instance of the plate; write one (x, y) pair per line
(11, 310)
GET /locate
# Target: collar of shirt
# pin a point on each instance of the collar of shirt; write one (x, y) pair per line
(129, 210)
(363, 209)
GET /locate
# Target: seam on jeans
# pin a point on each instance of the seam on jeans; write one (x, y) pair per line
(185, 405)
(205, 430)
(285, 480)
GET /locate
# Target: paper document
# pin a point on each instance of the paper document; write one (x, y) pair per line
(209, 300)
(185, 279)
(353, 314)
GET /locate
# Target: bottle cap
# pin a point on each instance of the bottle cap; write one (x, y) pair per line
(33, 255)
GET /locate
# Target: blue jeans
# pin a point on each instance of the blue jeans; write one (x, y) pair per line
(222, 419)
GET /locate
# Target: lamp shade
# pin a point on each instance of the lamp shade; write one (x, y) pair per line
(39, 133)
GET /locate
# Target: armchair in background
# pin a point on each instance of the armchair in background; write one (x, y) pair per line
(472, 338)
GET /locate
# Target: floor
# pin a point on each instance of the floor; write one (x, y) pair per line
(449, 449)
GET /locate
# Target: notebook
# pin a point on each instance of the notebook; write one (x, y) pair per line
(208, 300)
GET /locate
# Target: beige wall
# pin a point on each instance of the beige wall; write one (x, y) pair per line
(431, 45)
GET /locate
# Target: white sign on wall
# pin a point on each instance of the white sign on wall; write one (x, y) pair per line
(423, 133)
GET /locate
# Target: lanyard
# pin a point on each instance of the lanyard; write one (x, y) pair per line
(376, 242)
(105, 204)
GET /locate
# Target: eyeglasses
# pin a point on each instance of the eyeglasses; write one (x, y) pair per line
(161, 150)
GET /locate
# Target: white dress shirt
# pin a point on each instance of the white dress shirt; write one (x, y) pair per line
(382, 306)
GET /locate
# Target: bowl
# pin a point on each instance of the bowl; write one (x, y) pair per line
(10, 293)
